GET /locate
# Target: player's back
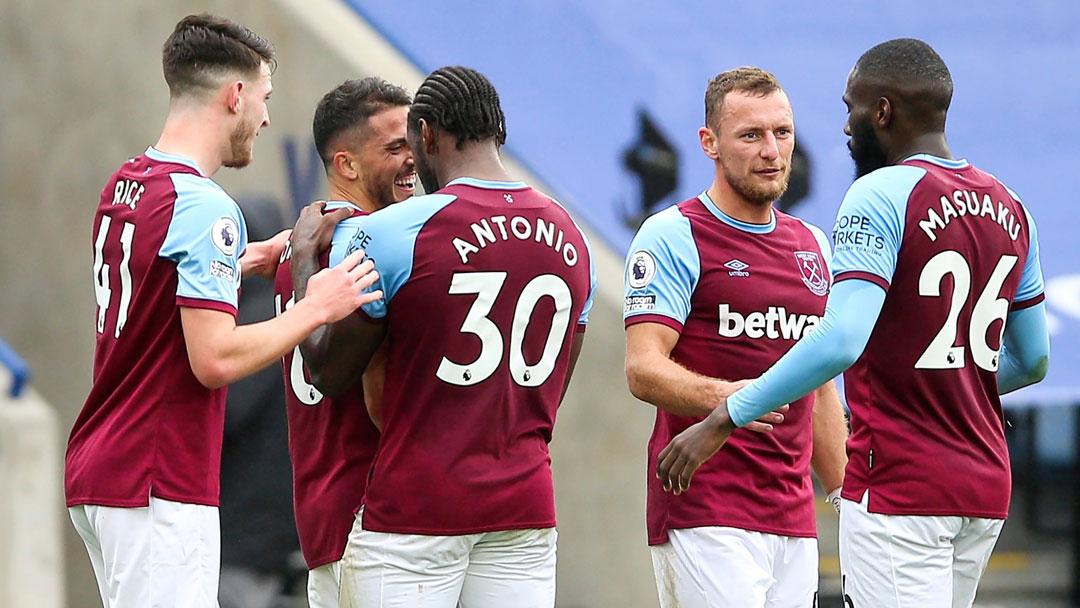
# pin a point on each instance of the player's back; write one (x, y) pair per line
(332, 443)
(928, 435)
(148, 426)
(485, 283)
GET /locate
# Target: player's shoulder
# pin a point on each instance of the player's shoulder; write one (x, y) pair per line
(669, 222)
(800, 225)
(199, 192)
(894, 181)
(410, 212)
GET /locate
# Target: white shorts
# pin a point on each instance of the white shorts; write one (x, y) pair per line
(909, 561)
(719, 567)
(489, 570)
(166, 555)
(324, 585)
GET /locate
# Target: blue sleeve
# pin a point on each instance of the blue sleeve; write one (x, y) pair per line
(870, 224)
(662, 269)
(388, 238)
(1025, 350)
(833, 346)
(206, 237)
(1031, 278)
(583, 319)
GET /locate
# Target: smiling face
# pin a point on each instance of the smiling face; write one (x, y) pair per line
(388, 172)
(254, 116)
(752, 144)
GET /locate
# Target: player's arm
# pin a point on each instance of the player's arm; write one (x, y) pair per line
(336, 354)
(870, 213)
(834, 345)
(654, 378)
(222, 352)
(262, 257)
(830, 431)
(374, 382)
(1025, 350)
(662, 271)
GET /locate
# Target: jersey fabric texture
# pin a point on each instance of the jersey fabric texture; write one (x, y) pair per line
(740, 295)
(956, 251)
(164, 236)
(484, 285)
(332, 442)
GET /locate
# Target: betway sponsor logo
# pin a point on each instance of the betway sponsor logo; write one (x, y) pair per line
(774, 324)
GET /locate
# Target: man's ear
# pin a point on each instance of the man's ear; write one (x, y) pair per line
(883, 112)
(429, 137)
(708, 142)
(345, 165)
(234, 98)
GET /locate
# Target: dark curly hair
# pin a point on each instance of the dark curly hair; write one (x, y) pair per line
(460, 101)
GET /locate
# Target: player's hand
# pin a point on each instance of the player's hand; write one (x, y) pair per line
(678, 462)
(338, 291)
(315, 229)
(262, 258)
(833, 499)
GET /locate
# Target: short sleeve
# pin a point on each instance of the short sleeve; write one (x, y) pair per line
(1030, 290)
(870, 225)
(823, 243)
(583, 319)
(662, 271)
(206, 237)
(388, 238)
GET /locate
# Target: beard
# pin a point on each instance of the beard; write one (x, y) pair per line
(241, 144)
(866, 149)
(426, 174)
(758, 193)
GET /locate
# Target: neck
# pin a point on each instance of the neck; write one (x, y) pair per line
(350, 192)
(933, 144)
(735, 205)
(478, 160)
(185, 134)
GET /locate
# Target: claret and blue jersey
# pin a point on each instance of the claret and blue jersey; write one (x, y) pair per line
(932, 258)
(739, 295)
(164, 236)
(485, 284)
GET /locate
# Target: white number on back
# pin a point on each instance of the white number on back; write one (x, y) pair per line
(102, 289)
(989, 307)
(304, 391)
(486, 286)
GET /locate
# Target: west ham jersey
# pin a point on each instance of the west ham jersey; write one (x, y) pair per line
(164, 236)
(485, 284)
(955, 251)
(740, 295)
(331, 443)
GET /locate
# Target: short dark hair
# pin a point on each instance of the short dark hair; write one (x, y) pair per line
(203, 47)
(911, 64)
(349, 105)
(749, 80)
(460, 101)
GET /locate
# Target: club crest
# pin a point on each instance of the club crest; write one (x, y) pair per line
(813, 272)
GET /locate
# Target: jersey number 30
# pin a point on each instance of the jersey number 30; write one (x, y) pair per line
(486, 286)
(989, 307)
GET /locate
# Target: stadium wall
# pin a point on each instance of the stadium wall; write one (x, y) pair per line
(81, 90)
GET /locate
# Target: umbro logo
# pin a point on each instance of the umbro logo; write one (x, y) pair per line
(737, 268)
(509, 198)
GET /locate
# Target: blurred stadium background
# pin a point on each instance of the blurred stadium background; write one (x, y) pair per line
(603, 100)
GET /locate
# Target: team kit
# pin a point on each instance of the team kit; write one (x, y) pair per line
(426, 342)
